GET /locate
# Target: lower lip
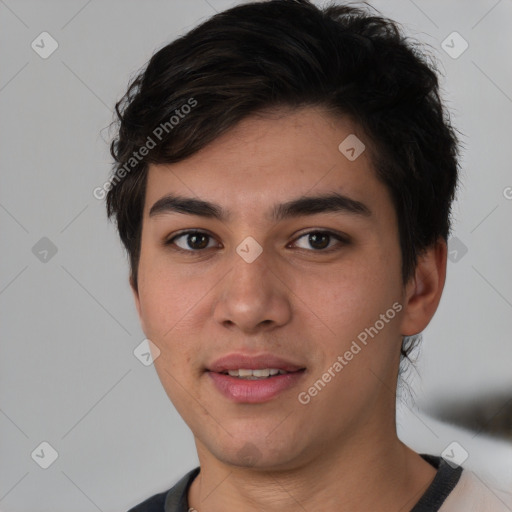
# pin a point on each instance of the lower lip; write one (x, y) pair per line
(254, 391)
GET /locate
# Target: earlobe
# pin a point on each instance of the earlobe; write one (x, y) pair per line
(424, 290)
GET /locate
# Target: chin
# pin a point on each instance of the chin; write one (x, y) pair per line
(252, 455)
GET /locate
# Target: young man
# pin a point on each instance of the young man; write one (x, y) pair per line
(283, 183)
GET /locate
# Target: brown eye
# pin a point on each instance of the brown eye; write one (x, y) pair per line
(321, 240)
(190, 241)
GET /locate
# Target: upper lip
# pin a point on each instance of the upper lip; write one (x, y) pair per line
(237, 361)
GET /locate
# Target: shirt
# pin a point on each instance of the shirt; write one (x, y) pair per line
(452, 490)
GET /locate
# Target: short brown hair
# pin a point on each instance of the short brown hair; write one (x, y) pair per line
(290, 53)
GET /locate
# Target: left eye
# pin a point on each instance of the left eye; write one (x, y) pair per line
(320, 240)
(195, 241)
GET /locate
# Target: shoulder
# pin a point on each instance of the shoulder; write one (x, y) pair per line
(172, 500)
(154, 504)
(472, 494)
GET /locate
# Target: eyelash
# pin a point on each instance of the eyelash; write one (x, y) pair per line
(344, 240)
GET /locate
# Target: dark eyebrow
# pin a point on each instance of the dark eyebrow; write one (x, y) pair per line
(307, 205)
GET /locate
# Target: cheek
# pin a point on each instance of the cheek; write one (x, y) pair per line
(169, 301)
(350, 297)
(171, 306)
(358, 311)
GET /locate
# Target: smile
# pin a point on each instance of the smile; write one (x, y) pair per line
(255, 374)
(249, 388)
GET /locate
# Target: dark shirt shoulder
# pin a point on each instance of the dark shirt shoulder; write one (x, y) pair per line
(447, 477)
(154, 504)
(172, 500)
(444, 482)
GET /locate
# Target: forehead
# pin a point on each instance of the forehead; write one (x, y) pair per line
(273, 157)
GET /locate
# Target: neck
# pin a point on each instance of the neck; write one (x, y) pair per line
(360, 476)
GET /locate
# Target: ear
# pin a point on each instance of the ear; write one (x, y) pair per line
(424, 289)
(137, 300)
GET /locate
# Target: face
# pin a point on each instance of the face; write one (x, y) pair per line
(312, 288)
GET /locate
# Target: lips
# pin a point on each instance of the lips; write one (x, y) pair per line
(251, 362)
(251, 384)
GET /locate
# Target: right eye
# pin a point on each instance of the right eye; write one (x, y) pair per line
(190, 241)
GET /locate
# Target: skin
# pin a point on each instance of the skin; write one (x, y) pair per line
(340, 451)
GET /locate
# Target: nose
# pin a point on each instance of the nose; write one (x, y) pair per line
(253, 297)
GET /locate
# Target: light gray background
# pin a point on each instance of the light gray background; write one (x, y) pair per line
(68, 375)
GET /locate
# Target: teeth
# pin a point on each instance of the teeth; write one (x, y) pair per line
(244, 373)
